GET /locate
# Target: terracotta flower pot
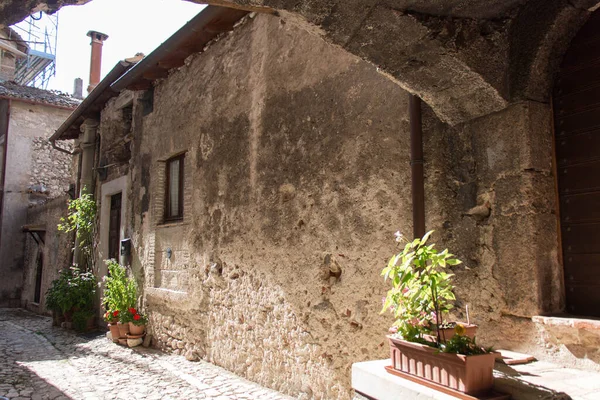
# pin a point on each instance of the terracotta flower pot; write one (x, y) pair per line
(114, 332)
(136, 329)
(447, 333)
(468, 374)
(123, 329)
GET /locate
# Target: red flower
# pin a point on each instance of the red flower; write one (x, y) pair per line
(132, 310)
(136, 317)
(116, 313)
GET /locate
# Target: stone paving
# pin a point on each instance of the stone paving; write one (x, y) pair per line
(39, 362)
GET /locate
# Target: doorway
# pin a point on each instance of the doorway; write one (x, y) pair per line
(576, 101)
(114, 229)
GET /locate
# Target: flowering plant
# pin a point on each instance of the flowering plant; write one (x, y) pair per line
(111, 316)
(139, 319)
(421, 291)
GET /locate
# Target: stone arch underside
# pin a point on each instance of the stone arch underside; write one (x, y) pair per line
(464, 58)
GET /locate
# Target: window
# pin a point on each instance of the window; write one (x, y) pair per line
(174, 189)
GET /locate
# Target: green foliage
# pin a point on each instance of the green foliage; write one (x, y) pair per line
(74, 289)
(81, 218)
(120, 293)
(459, 344)
(80, 319)
(421, 290)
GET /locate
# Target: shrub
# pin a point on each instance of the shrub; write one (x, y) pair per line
(73, 289)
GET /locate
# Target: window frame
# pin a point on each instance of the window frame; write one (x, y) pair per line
(166, 216)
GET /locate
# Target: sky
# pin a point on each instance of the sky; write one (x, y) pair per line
(132, 26)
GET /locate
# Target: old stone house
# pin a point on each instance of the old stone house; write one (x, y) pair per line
(31, 173)
(260, 171)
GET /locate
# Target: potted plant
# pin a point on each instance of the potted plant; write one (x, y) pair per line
(112, 317)
(137, 325)
(72, 294)
(120, 293)
(421, 294)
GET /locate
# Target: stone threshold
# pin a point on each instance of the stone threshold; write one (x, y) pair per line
(566, 320)
(533, 381)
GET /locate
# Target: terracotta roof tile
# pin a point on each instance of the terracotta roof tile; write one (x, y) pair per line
(15, 91)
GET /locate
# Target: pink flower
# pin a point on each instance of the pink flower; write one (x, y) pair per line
(399, 236)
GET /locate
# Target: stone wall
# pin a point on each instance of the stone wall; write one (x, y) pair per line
(55, 250)
(29, 163)
(296, 176)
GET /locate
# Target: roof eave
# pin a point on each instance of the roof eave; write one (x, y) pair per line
(97, 97)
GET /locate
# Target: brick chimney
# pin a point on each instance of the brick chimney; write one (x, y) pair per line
(96, 59)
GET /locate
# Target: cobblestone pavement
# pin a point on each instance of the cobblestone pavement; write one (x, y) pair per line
(39, 362)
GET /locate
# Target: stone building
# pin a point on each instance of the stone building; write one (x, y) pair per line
(260, 164)
(31, 172)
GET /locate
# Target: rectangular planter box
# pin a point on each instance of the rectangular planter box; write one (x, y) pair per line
(468, 374)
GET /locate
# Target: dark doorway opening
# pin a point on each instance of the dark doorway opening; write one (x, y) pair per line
(114, 227)
(37, 294)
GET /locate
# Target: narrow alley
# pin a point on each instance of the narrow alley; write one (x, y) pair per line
(40, 362)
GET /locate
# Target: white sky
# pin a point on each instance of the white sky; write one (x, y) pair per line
(132, 26)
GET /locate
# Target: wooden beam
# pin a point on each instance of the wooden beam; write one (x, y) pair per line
(155, 73)
(230, 4)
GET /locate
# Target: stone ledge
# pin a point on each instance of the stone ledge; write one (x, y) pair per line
(567, 321)
(160, 295)
(370, 379)
(533, 381)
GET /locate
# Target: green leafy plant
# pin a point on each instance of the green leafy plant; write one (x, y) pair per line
(80, 319)
(461, 344)
(422, 293)
(421, 290)
(81, 219)
(120, 292)
(74, 290)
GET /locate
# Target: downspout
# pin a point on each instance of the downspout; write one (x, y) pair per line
(3, 177)
(416, 165)
(55, 146)
(87, 144)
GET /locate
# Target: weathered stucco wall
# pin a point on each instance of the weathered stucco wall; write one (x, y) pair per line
(56, 251)
(296, 176)
(493, 184)
(28, 161)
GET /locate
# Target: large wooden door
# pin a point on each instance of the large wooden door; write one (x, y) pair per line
(577, 134)
(114, 227)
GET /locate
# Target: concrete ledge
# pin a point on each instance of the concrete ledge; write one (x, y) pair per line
(371, 380)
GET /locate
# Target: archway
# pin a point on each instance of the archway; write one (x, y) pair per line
(576, 100)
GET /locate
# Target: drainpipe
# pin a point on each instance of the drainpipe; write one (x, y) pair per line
(3, 177)
(87, 144)
(98, 39)
(56, 147)
(416, 165)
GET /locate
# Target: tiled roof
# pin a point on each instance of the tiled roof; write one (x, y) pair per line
(15, 91)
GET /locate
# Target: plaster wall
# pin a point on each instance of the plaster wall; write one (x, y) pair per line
(28, 161)
(296, 176)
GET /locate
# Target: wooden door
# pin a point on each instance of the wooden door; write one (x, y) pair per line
(577, 141)
(114, 227)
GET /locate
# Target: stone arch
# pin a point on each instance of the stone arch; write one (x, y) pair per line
(465, 59)
(540, 35)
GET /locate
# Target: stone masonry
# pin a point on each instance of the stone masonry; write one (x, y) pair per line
(40, 362)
